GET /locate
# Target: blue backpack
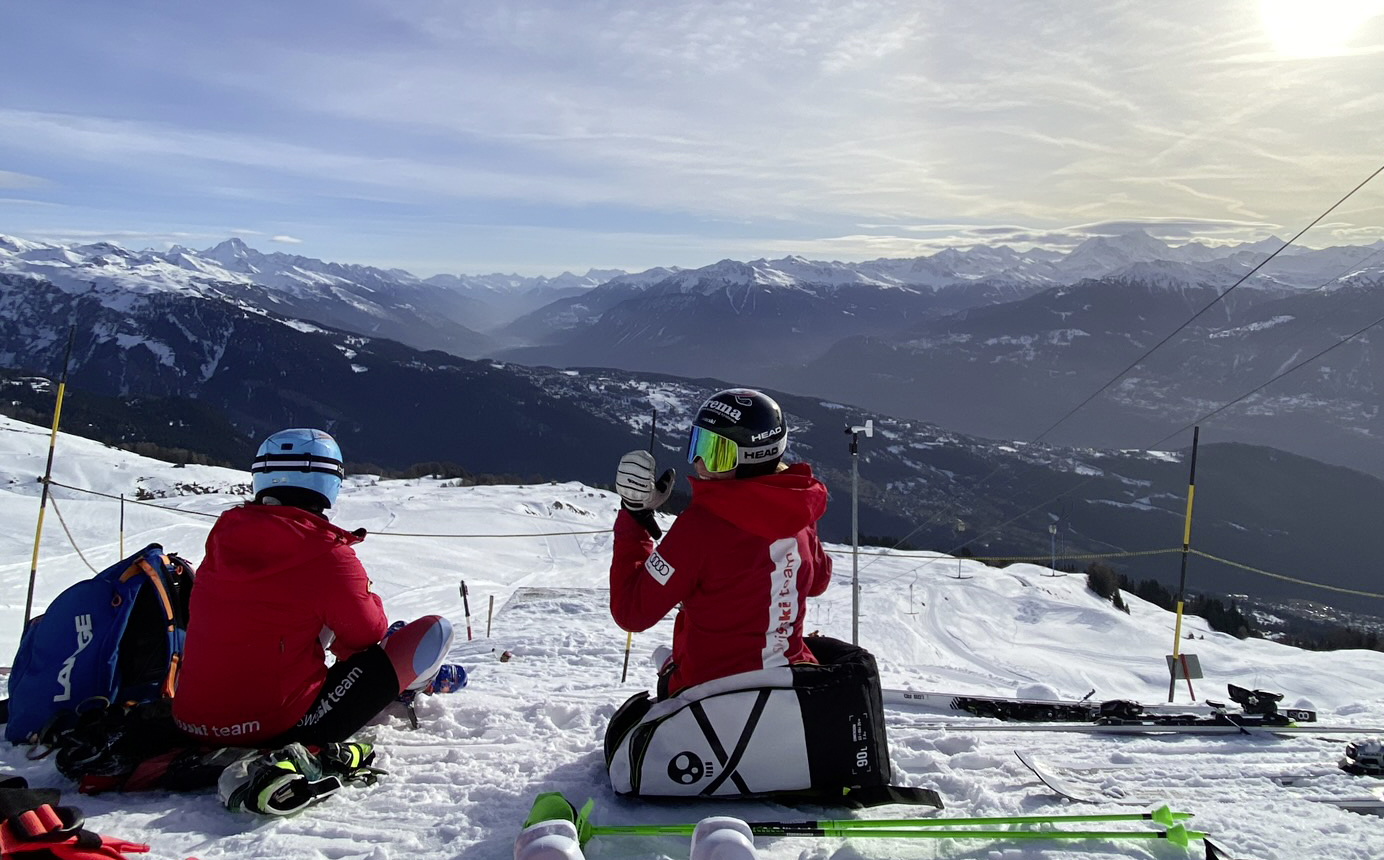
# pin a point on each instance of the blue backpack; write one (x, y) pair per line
(114, 638)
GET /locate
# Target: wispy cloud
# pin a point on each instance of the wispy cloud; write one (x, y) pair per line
(9, 179)
(720, 120)
(129, 238)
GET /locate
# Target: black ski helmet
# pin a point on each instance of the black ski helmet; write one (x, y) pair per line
(753, 422)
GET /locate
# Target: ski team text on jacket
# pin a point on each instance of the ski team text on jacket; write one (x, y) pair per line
(742, 560)
(273, 578)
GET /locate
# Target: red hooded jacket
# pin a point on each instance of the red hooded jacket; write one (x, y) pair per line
(272, 579)
(742, 560)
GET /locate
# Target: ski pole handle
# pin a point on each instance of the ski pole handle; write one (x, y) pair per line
(629, 640)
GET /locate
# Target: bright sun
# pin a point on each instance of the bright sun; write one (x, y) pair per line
(1315, 28)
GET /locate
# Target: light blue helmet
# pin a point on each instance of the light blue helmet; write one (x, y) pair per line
(302, 458)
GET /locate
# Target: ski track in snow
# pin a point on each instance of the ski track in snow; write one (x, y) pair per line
(460, 785)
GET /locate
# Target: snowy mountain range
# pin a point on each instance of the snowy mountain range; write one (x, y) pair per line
(545, 676)
(443, 312)
(469, 315)
(770, 314)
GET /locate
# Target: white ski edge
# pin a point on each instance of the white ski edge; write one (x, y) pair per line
(1280, 772)
(1372, 804)
(943, 701)
(1069, 790)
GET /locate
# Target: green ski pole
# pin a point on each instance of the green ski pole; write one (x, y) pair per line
(1163, 815)
(552, 805)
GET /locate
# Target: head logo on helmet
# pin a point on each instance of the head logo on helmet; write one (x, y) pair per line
(738, 429)
(298, 464)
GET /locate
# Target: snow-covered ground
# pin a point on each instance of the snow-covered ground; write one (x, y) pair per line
(460, 785)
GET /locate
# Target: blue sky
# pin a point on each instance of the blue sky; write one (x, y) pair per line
(536, 137)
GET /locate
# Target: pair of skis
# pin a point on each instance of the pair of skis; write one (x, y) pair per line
(1257, 708)
(1260, 714)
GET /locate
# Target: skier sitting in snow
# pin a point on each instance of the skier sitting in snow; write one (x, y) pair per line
(278, 585)
(742, 559)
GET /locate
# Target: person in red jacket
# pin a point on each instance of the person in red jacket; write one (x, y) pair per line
(278, 586)
(741, 560)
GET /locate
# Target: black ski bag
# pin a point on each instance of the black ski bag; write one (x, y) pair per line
(805, 729)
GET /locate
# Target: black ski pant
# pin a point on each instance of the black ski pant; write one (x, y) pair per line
(356, 690)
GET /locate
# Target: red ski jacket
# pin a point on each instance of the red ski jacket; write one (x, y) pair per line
(742, 560)
(272, 579)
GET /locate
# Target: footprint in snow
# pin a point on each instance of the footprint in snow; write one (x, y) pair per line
(976, 761)
(956, 745)
(564, 716)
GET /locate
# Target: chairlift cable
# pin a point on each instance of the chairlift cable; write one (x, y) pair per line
(1140, 360)
(975, 486)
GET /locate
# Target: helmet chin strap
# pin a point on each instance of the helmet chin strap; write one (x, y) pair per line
(297, 498)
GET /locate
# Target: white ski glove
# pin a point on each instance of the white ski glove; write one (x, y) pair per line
(634, 481)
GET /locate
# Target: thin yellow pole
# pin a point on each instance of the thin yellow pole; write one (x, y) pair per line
(1182, 583)
(47, 474)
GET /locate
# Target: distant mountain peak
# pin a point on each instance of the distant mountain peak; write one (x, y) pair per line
(1099, 255)
(15, 244)
(1135, 243)
(232, 252)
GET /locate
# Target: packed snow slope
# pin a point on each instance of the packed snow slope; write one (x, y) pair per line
(461, 783)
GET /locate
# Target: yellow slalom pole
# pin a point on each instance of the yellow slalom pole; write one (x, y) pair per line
(47, 474)
(1182, 583)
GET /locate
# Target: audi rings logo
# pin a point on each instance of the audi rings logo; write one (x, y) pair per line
(685, 768)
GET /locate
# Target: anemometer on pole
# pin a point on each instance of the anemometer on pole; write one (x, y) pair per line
(868, 428)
